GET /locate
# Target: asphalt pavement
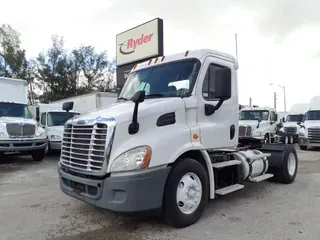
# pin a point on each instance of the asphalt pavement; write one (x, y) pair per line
(33, 207)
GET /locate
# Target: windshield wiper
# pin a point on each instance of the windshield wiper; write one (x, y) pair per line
(155, 95)
(122, 98)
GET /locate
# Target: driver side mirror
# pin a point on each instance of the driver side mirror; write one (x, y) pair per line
(67, 106)
(37, 114)
(139, 96)
(283, 119)
(222, 82)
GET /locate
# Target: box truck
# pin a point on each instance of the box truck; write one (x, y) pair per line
(91, 101)
(51, 117)
(18, 131)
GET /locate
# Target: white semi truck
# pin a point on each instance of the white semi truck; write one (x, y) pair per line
(52, 118)
(166, 148)
(91, 101)
(18, 131)
(259, 123)
(291, 124)
(309, 133)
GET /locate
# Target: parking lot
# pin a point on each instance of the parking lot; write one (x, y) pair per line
(33, 207)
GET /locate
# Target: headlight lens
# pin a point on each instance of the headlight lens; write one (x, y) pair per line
(257, 134)
(137, 158)
(3, 135)
(55, 137)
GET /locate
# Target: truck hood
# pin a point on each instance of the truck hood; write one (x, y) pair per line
(252, 123)
(122, 111)
(315, 123)
(17, 119)
(291, 124)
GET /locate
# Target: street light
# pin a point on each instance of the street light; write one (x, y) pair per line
(284, 95)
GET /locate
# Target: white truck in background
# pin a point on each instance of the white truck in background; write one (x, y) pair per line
(18, 131)
(91, 101)
(259, 123)
(291, 123)
(167, 148)
(309, 133)
(51, 117)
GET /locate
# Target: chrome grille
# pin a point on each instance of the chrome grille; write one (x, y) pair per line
(314, 135)
(20, 130)
(83, 147)
(290, 130)
(245, 131)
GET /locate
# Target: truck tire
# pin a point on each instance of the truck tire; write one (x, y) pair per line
(186, 193)
(284, 165)
(303, 147)
(38, 155)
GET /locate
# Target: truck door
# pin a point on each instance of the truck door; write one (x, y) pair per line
(273, 121)
(219, 130)
(43, 120)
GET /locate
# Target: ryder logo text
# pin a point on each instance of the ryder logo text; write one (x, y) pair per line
(129, 46)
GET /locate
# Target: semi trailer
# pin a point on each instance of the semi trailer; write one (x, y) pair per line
(167, 147)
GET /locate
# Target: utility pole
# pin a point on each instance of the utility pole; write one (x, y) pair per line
(236, 41)
(275, 100)
(250, 102)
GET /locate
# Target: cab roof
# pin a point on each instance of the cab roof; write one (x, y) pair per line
(199, 54)
(259, 108)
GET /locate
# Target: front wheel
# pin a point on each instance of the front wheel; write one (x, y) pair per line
(186, 193)
(38, 155)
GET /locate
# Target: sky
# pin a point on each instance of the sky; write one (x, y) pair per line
(278, 41)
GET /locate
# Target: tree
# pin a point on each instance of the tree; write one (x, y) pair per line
(13, 62)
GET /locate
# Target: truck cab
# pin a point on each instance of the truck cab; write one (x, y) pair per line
(309, 132)
(170, 143)
(52, 118)
(258, 123)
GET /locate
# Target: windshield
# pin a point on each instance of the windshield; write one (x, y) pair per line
(295, 118)
(175, 79)
(254, 115)
(14, 110)
(313, 115)
(59, 118)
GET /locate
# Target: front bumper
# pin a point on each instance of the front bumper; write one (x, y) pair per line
(137, 192)
(55, 145)
(303, 141)
(22, 145)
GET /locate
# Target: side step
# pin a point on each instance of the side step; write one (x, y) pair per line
(226, 164)
(229, 189)
(261, 178)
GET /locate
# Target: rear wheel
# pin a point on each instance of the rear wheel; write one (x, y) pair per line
(38, 155)
(186, 193)
(287, 166)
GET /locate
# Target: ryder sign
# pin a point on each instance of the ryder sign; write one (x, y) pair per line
(140, 43)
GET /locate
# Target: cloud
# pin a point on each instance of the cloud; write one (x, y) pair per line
(272, 18)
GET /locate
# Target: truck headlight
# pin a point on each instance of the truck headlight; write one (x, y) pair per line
(3, 135)
(136, 158)
(257, 134)
(55, 137)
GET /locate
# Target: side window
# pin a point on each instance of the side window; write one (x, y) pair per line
(272, 116)
(43, 119)
(208, 88)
